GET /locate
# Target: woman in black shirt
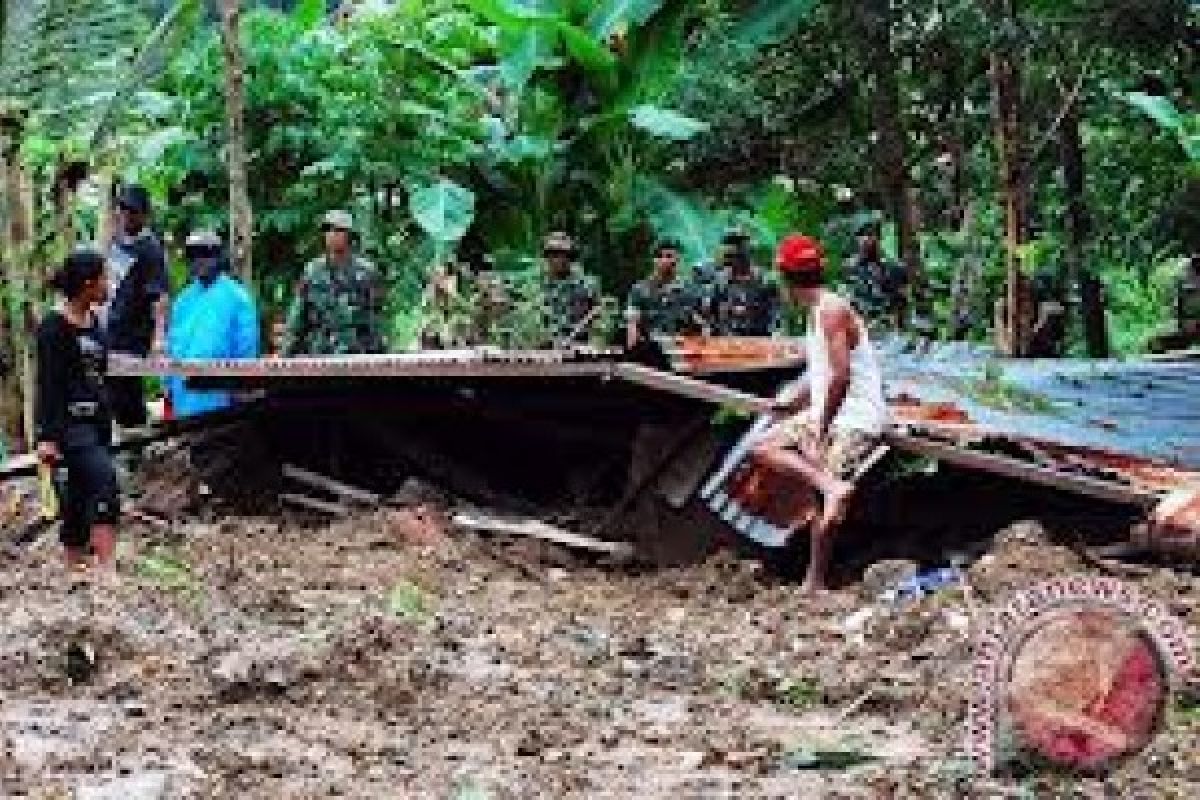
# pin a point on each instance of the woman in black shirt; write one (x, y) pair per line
(74, 422)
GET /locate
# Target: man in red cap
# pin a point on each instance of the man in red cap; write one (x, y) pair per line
(835, 420)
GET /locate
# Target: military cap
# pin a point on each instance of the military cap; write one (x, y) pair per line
(559, 242)
(868, 223)
(735, 236)
(202, 238)
(338, 220)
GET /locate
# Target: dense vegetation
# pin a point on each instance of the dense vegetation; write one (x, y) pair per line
(994, 136)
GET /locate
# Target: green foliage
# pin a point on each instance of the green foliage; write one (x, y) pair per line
(167, 569)
(798, 694)
(409, 601)
(771, 20)
(443, 211)
(618, 16)
(666, 124)
(1186, 127)
(484, 124)
(993, 391)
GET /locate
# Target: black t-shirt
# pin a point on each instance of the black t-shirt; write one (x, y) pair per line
(138, 274)
(71, 365)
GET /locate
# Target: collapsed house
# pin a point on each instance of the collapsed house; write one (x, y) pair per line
(651, 449)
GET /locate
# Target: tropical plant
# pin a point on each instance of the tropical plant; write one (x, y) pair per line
(68, 69)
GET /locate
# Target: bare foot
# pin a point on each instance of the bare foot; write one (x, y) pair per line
(813, 587)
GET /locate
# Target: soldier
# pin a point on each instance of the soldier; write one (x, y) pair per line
(492, 300)
(662, 304)
(1047, 338)
(876, 285)
(745, 303)
(338, 307)
(447, 304)
(1187, 301)
(570, 296)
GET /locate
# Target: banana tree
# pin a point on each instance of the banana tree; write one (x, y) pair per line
(67, 68)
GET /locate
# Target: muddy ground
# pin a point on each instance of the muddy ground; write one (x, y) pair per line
(389, 656)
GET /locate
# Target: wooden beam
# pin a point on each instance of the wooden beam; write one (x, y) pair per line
(692, 387)
(536, 529)
(344, 490)
(1011, 468)
(312, 504)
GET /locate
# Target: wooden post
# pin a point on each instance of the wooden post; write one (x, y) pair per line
(241, 215)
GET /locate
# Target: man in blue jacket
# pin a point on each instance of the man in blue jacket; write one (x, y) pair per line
(213, 318)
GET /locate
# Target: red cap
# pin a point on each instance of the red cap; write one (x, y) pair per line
(798, 254)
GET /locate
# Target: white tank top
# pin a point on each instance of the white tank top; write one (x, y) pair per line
(864, 408)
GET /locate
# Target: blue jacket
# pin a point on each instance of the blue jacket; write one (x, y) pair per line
(210, 322)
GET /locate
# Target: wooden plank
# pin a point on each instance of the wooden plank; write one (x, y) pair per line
(1011, 468)
(537, 529)
(344, 490)
(692, 387)
(312, 504)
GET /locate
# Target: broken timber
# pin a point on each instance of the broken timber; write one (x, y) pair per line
(313, 504)
(315, 481)
(537, 529)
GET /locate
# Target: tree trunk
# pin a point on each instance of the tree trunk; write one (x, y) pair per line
(1091, 308)
(891, 149)
(967, 276)
(35, 292)
(1006, 90)
(18, 396)
(241, 215)
(11, 407)
(107, 214)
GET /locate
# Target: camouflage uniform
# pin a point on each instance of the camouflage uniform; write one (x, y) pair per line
(876, 289)
(1187, 300)
(747, 306)
(706, 281)
(337, 310)
(567, 302)
(448, 306)
(665, 309)
(493, 303)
